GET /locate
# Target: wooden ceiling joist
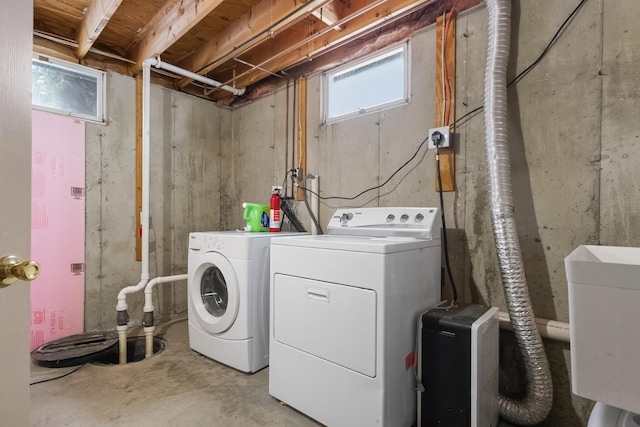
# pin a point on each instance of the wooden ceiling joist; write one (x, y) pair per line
(53, 49)
(95, 19)
(67, 10)
(297, 47)
(261, 23)
(169, 25)
(331, 13)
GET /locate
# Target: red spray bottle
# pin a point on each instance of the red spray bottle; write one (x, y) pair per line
(274, 210)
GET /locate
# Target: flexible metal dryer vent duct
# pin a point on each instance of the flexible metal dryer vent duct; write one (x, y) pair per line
(536, 405)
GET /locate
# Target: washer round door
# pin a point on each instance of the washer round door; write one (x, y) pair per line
(214, 293)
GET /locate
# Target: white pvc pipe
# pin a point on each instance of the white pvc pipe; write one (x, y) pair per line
(146, 174)
(146, 178)
(146, 119)
(148, 291)
(551, 329)
(315, 203)
(144, 215)
(149, 308)
(122, 340)
(148, 341)
(198, 77)
(122, 295)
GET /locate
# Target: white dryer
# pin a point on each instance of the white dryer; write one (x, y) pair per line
(344, 310)
(228, 293)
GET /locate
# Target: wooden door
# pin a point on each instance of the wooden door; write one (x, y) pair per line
(16, 38)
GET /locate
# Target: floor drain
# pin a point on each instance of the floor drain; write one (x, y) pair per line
(135, 351)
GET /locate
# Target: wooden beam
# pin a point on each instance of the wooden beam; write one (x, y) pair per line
(445, 94)
(139, 168)
(330, 14)
(171, 23)
(301, 130)
(65, 9)
(295, 47)
(53, 49)
(95, 19)
(261, 23)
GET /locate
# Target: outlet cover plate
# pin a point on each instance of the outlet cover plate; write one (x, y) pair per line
(446, 132)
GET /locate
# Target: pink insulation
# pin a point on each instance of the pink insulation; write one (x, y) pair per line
(57, 227)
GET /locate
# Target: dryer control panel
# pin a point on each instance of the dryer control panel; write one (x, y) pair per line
(414, 222)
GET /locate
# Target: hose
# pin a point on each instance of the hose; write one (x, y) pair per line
(293, 219)
(535, 406)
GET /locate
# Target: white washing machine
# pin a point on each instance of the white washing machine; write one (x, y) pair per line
(344, 310)
(228, 287)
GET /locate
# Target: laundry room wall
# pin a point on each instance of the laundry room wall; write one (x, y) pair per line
(254, 156)
(186, 136)
(574, 149)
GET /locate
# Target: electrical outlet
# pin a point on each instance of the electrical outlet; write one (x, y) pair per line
(443, 134)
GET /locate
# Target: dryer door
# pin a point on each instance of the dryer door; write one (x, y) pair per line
(214, 293)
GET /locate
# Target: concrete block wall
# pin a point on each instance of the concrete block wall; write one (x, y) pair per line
(186, 147)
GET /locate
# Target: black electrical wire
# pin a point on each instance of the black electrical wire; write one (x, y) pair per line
(372, 188)
(546, 50)
(467, 115)
(444, 230)
(527, 70)
(60, 376)
(284, 181)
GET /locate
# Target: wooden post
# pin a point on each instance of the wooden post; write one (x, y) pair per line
(445, 94)
(301, 131)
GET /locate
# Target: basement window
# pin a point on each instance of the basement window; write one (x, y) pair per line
(67, 89)
(373, 83)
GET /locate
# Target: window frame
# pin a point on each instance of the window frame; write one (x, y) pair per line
(101, 77)
(406, 48)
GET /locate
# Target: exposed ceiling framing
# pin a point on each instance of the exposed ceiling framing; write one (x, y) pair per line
(237, 42)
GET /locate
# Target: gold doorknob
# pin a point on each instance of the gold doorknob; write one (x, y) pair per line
(13, 269)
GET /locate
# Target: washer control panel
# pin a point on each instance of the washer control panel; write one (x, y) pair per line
(383, 222)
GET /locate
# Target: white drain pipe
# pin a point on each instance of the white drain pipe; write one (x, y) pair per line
(198, 77)
(315, 203)
(121, 307)
(551, 329)
(147, 319)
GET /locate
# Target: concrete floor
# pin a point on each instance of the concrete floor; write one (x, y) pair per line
(175, 387)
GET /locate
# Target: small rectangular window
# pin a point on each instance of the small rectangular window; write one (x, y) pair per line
(67, 89)
(373, 83)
